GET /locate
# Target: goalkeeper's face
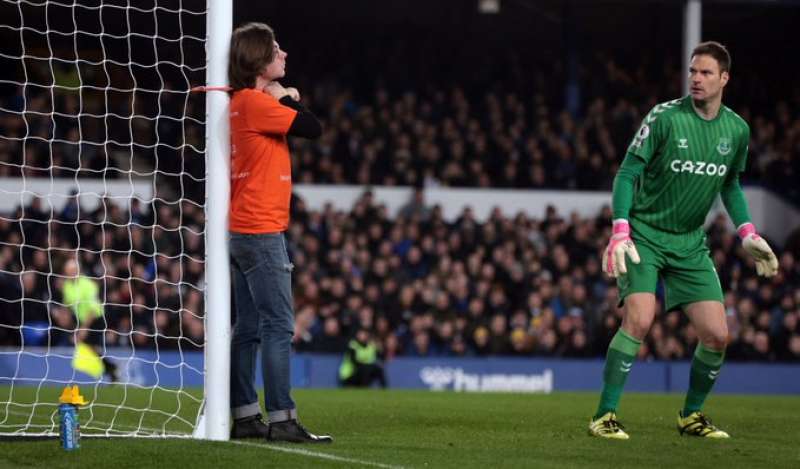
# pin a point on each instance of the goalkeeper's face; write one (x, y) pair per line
(706, 78)
(277, 67)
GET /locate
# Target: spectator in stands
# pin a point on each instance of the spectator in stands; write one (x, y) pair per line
(415, 208)
(361, 365)
(331, 340)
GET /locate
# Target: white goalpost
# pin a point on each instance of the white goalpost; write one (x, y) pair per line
(219, 22)
(113, 216)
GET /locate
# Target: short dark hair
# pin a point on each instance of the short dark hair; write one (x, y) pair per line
(252, 49)
(717, 51)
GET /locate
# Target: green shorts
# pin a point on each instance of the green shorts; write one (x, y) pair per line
(681, 261)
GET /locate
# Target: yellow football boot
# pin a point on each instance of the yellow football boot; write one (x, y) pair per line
(607, 426)
(697, 424)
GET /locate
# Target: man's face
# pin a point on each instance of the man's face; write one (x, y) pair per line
(28, 281)
(705, 79)
(277, 68)
(71, 269)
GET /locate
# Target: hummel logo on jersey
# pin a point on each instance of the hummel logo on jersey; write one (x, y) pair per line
(713, 374)
(701, 168)
(626, 367)
(683, 143)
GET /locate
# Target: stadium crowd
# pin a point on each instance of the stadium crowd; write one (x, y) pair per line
(513, 285)
(148, 262)
(448, 136)
(507, 141)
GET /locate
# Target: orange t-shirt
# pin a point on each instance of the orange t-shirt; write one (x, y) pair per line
(261, 169)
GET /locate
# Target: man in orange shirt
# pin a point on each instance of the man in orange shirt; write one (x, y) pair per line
(262, 114)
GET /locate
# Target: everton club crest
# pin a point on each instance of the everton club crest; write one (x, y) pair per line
(724, 146)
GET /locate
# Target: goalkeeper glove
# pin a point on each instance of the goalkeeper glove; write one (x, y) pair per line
(619, 245)
(759, 250)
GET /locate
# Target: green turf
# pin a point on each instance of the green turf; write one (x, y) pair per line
(427, 429)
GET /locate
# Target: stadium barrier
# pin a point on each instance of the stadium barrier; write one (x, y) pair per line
(773, 216)
(175, 369)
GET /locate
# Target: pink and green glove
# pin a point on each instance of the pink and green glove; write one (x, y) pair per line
(619, 245)
(759, 250)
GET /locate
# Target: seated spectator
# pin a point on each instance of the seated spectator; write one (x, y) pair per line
(361, 365)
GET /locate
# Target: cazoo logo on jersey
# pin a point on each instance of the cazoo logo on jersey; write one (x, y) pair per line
(698, 167)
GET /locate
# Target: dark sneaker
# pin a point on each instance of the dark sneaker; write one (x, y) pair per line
(293, 432)
(249, 427)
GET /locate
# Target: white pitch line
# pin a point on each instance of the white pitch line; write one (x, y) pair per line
(314, 454)
(284, 449)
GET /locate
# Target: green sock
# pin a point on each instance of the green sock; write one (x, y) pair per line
(619, 360)
(705, 369)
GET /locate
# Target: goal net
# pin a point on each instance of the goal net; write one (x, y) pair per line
(103, 215)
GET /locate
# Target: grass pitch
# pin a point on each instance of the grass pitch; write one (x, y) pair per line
(392, 428)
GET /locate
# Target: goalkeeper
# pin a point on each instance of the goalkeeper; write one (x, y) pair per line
(81, 295)
(686, 152)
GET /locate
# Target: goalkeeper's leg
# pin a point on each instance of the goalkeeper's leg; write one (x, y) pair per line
(639, 314)
(693, 284)
(708, 318)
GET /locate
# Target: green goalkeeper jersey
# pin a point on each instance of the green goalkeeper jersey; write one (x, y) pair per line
(688, 159)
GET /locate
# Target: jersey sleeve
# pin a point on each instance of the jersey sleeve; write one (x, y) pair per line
(651, 134)
(734, 200)
(740, 162)
(622, 194)
(268, 116)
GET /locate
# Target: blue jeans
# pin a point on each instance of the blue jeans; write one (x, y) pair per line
(262, 289)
